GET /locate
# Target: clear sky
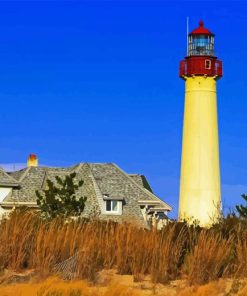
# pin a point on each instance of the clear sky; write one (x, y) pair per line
(97, 81)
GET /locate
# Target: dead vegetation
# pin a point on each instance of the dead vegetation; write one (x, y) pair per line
(122, 285)
(177, 252)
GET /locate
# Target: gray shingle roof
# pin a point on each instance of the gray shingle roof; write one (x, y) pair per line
(17, 175)
(101, 180)
(141, 180)
(32, 179)
(6, 180)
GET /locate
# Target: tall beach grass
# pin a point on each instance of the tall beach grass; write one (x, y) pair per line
(89, 246)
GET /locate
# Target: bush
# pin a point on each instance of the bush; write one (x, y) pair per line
(61, 200)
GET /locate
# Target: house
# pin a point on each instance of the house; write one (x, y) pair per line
(111, 193)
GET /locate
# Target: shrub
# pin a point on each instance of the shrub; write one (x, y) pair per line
(61, 199)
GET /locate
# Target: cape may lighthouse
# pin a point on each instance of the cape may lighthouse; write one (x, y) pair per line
(200, 197)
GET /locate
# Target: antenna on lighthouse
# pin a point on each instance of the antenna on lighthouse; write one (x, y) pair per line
(187, 32)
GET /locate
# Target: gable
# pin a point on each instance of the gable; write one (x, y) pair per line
(5, 192)
(6, 180)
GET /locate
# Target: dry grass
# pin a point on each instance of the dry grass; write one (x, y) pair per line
(57, 287)
(240, 264)
(178, 251)
(209, 258)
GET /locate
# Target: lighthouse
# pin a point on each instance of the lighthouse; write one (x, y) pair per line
(200, 196)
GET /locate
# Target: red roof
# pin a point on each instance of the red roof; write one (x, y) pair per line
(201, 30)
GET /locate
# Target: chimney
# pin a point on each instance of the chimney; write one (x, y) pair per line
(32, 161)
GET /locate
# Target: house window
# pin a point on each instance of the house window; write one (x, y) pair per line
(112, 206)
(207, 64)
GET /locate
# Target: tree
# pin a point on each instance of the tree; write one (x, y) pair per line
(60, 199)
(242, 210)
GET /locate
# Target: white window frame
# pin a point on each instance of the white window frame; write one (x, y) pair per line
(112, 210)
(209, 64)
(118, 210)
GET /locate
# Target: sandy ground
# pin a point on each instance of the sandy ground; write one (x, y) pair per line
(109, 283)
(222, 287)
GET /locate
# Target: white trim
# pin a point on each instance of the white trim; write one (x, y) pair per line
(149, 202)
(5, 192)
(18, 203)
(207, 61)
(119, 209)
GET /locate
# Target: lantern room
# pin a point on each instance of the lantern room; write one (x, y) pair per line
(201, 42)
(200, 59)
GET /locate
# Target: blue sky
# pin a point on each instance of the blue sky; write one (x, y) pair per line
(97, 81)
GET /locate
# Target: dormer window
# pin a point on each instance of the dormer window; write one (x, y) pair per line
(112, 205)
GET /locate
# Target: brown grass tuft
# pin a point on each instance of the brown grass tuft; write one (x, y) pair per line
(209, 258)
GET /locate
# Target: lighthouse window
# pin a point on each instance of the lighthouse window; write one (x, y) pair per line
(207, 64)
(201, 45)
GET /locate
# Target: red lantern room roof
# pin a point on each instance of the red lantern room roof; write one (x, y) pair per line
(201, 30)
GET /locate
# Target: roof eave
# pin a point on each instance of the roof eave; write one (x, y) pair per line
(155, 203)
(113, 198)
(148, 202)
(3, 184)
(14, 204)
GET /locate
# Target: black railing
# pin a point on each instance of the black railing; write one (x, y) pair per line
(201, 49)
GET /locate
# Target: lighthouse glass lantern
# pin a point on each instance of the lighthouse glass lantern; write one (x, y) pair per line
(201, 59)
